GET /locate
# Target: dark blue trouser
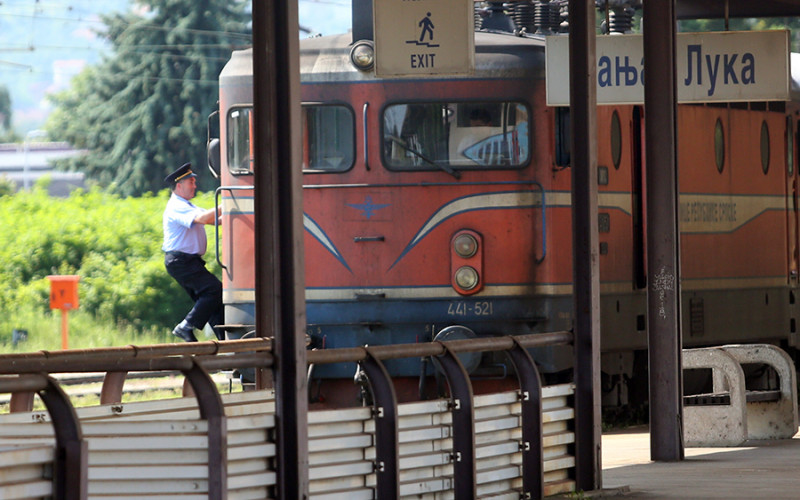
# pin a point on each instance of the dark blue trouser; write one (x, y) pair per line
(203, 287)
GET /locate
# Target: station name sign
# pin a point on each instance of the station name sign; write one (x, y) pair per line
(424, 37)
(715, 66)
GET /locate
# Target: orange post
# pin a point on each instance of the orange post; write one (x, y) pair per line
(64, 296)
(64, 329)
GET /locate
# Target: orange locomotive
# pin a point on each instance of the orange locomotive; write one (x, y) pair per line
(440, 208)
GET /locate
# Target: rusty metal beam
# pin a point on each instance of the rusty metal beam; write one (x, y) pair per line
(119, 361)
(586, 273)
(387, 459)
(71, 476)
(113, 383)
(530, 386)
(461, 407)
(212, 410)
(663, 268)
(211, 347)
(245, 360)
(394, 351)
(21, 401)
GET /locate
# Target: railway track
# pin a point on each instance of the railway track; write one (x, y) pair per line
(83, 385)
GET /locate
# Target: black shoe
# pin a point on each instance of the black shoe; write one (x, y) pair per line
(184, 332)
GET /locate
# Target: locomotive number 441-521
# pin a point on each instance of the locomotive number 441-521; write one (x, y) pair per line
(470, 309)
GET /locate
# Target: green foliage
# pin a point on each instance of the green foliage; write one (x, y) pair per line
(112, 243)
(143, 112)
(5, 109)
(7, 133)
(7, 186)
(745, 24)
(86, 331)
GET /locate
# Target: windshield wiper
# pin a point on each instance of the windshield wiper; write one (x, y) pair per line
(447, 168)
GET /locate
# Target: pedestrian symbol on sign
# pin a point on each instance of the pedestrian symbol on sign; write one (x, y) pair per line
(427, 27)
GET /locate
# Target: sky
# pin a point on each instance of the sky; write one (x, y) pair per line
(326, 17)
(44, 43)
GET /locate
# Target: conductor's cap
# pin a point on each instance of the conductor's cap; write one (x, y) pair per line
(185, 171)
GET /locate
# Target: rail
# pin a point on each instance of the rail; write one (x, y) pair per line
(195, 360)
(216, 219)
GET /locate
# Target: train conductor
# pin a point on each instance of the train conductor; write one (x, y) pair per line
(184, 246)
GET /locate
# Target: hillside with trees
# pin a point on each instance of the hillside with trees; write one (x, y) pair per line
(142, 112)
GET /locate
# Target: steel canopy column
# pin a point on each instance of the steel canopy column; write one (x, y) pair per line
(663, 263)
(280, 301)
(586, 276)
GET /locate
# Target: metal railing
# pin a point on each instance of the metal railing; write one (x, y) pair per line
(197, 359)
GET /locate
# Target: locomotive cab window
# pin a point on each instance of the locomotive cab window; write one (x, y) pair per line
(328, 138)
(456, 136)
(240, 140)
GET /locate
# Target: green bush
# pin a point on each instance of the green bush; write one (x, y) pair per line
(7, 186)
(112, 243)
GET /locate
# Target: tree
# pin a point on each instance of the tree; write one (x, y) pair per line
(746, 24)
(5, 111)
(142, 112)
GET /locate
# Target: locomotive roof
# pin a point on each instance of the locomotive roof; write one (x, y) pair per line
(328, 58)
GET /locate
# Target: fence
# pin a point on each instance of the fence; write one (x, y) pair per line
(507, 445)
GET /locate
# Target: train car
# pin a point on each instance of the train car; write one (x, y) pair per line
(440, 208)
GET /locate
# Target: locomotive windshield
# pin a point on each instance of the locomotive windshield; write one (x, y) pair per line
(464, 135)
(240, 139)
(328, 138)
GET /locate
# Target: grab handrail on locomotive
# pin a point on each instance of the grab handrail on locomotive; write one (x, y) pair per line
(440, 208)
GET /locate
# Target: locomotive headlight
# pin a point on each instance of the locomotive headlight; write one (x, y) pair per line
(466, 261)
(465, 245)
(466, 277)
(362, 55)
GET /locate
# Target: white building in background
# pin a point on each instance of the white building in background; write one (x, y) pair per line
(26, 163)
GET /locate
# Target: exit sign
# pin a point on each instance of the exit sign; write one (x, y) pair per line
(424, 37)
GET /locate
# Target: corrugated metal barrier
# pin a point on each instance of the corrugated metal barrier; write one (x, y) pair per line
(507, 445)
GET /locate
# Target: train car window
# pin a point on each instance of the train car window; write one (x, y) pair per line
(616, 139)
(328, 138)
(764, 147)
(719, 145)
(562, 137)
(240, 140)
(789, 147)
(456, 136)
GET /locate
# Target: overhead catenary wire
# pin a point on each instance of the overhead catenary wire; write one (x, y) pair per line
(37, 15)
(194, 31)
(93, 18)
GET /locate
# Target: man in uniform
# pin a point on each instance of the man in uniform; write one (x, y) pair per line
(184, 245)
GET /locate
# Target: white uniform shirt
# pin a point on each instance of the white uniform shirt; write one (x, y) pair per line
(180, 232)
